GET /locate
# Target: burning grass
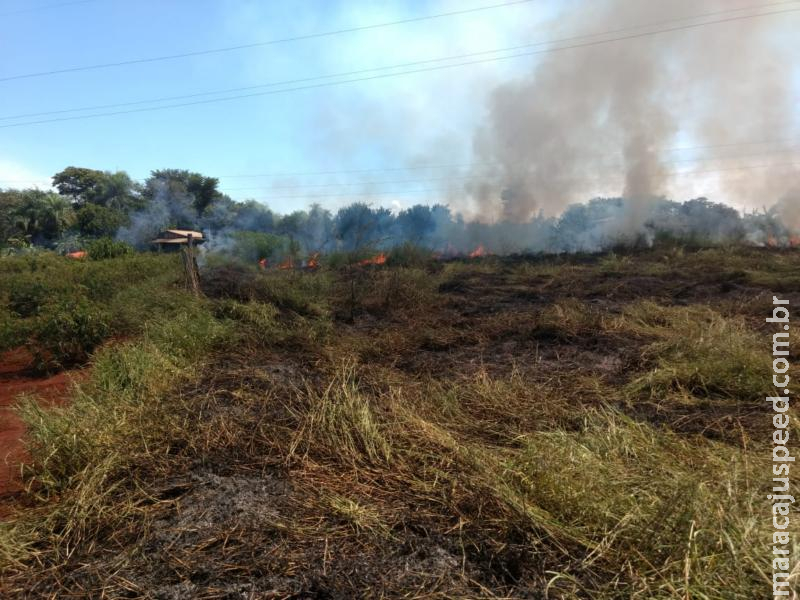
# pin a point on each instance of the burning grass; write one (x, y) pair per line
(502, 427)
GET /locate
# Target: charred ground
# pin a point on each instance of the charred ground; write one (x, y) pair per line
(540, 427)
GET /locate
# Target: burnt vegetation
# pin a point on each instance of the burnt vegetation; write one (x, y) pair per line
(586, 426)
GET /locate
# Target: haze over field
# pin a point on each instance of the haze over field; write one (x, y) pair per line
(690, 111)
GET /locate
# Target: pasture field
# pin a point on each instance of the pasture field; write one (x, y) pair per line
(582, 426)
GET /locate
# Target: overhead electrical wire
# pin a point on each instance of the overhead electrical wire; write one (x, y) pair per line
(296, 38)
(384, 68)
(576, 179)
(407, 72)
(789, 150)
(794, 150)
(385, 193)
(439, 190)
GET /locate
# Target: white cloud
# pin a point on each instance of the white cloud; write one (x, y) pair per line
(16, 175)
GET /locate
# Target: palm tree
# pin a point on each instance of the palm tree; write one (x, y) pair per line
(43, 216)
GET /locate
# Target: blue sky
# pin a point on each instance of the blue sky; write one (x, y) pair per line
(407, 121)
(386, 123)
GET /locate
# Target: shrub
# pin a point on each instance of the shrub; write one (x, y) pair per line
(409, 255)
(68, 334)
(251, 246)
(27, 297)
(105, 248)
(302, 293)
(189, 334)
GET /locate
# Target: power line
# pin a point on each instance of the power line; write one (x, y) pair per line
(790, 149)
(363, 71)
(583, 179)
(408, 72)
(490, 164)
(468, 176)
(297, 38)
(588, 179)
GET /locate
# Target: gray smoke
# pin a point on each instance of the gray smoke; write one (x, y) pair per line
(167, 208)
(602, 120)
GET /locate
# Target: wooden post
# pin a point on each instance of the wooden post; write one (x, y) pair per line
(190, 267)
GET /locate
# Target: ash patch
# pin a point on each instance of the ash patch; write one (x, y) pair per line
(217, 501)
(263, 536)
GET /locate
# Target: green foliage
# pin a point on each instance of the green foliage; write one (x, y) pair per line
(27, 298)
(698, 352)
(190, 333)
(133, 290)
(94, 220)
(410, 255)
(105, 248)
(306, 294)
(42, 216)
(252, 246)
(178, 182)
(68, 333)
(79, 183)
(339, 260)
(259, 321)
(115, 191)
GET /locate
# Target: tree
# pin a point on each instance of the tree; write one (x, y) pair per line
(97, 221)
(252, 246)
(81, 184)
(11, 231)
(43, 216)
(253, 216)
(416, 223)
(319, 229)
(202, 190)
(359, 226)
(90, 186)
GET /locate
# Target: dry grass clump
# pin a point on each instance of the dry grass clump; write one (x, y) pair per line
(698, 352)
(680, 516)
(363, 518)
(566, 320)
(340, 421)
(636, 507)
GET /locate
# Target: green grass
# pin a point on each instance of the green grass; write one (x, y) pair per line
(409, 420)
(698, 352)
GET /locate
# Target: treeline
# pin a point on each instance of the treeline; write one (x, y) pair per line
(89, 204)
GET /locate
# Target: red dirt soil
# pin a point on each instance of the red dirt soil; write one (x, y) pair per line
(17, 377)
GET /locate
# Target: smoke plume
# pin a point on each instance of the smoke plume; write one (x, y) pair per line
(606, 119)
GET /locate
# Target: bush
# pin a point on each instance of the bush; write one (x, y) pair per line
(68, 334)
(251, 246)
(409, 255)
(27, 298)
(105, 248)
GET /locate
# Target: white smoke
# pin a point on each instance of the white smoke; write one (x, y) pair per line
(602, 119)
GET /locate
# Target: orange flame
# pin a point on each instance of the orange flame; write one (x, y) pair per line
(478, 252)
(286, 264)
(263, 263)
(772, 241)
(313, 261)
(77, 255)
(375, 260)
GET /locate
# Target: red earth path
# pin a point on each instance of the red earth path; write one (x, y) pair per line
(16, 377)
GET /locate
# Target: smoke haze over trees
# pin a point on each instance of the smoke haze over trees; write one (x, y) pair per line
(91, 204)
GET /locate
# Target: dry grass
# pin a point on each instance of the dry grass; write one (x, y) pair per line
(494, 429)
